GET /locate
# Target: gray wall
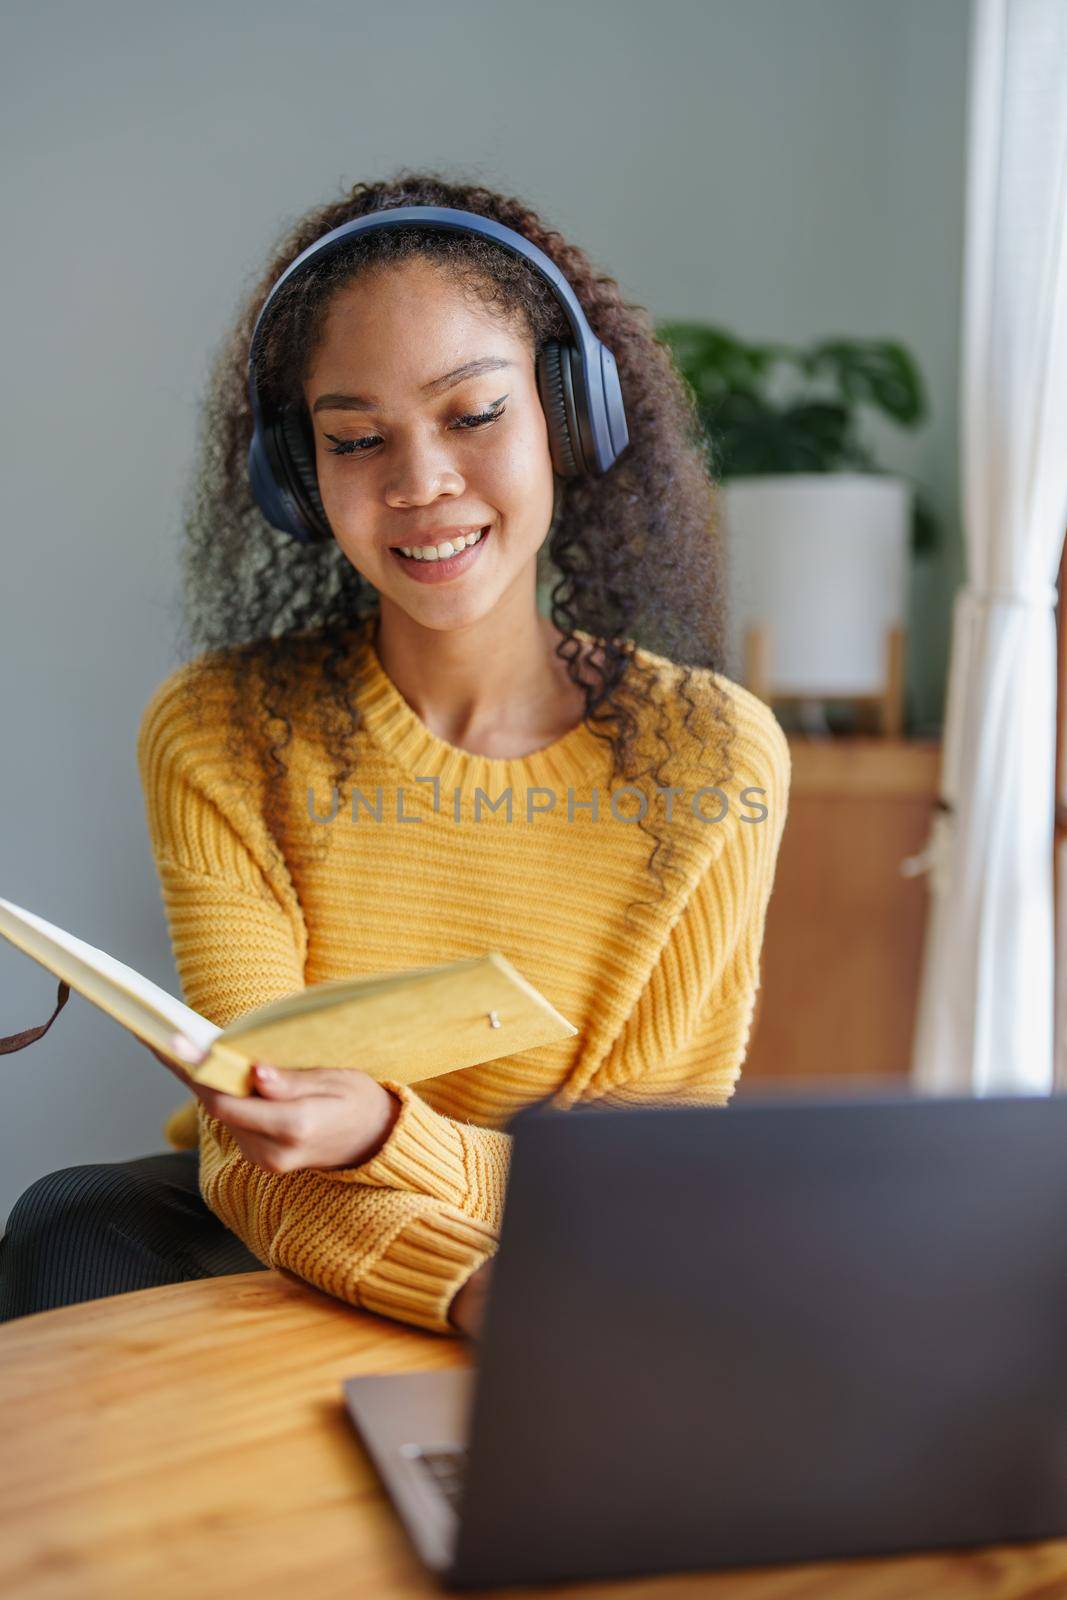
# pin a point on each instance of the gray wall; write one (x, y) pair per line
(791, 167)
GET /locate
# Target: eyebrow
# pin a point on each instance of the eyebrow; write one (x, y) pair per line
(365, 402)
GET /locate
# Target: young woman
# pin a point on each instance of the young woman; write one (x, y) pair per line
(468, 627)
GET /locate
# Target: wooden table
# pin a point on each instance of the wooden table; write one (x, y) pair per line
(190, 1441)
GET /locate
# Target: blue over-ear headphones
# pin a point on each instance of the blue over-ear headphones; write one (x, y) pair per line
(576, 379)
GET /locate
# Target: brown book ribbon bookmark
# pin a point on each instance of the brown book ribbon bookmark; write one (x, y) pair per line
(19, 1041)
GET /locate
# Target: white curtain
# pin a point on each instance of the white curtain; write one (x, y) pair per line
(985, 1019)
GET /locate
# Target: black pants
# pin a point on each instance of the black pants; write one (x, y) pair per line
(85, 1232)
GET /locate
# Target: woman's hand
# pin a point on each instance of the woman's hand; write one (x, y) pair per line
(467, 1311)
(315, 1117)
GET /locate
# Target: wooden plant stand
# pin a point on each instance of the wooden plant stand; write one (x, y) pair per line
(888, 705)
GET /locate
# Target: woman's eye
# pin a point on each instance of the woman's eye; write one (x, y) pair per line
(479, 419)
(348, 447)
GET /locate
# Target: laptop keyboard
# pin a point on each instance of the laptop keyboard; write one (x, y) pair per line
(447, 1468)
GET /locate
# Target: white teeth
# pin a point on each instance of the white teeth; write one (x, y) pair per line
(441, 552)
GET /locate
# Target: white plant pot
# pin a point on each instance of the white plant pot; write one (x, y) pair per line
(821, 560)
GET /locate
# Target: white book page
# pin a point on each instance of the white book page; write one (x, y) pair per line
(182, 1018)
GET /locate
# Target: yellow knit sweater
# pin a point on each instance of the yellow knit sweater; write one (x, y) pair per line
(662, 1003)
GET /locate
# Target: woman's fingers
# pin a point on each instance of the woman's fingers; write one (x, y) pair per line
(186, 1050)
(267, 1154)
(181, 1050)
(294, 1083)
(279, 1120)
(172, 1066)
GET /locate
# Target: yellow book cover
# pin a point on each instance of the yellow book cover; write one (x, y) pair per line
(408, 1025)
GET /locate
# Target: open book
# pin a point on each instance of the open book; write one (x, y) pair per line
(405, 1025)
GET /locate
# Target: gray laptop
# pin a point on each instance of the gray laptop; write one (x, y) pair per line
(781, 1331)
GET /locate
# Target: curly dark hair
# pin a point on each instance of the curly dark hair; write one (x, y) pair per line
(632, 557)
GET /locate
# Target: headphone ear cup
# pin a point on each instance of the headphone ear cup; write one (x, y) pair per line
(300, 453)
(556, 390)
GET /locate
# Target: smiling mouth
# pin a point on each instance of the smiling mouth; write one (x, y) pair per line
(469, 541)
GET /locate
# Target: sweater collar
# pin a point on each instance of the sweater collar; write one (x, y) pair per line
(577, 759)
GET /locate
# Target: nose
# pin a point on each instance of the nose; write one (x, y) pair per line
(422, 471)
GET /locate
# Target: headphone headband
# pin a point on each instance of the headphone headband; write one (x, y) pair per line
(589, 396)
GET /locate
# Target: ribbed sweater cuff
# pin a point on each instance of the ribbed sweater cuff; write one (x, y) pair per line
(424, 1153)
(424, 1269)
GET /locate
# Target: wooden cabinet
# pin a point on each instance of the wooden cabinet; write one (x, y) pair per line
(844, 933)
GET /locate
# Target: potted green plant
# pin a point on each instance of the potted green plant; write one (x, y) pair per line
(818, 538)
